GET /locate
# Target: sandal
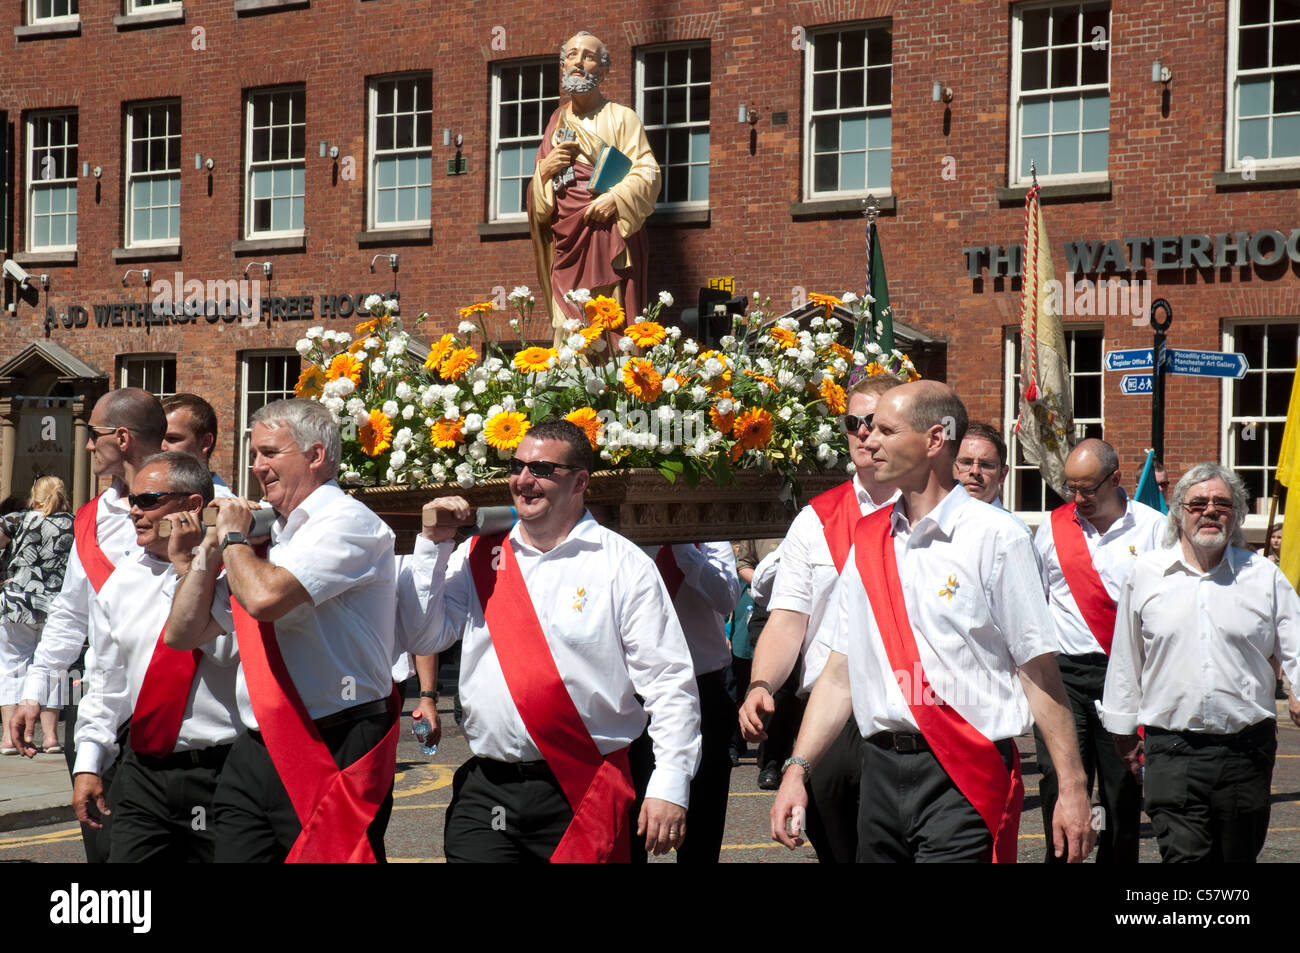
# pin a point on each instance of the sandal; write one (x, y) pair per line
(6, 752)
(52, 749)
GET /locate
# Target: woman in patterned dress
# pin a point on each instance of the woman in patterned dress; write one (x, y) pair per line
(36, 543)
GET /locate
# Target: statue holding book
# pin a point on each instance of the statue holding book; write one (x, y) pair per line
(595, 183)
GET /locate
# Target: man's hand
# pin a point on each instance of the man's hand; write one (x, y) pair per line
(1129, 749)
(430, 712)
(1072, 824)
(234, 515)
(758, 705)
(557, 160)
(448, 514)
(663, 823)
(191, 543)
(88, 800)
(791, 805)
(22, 727)
(601, 210)
(1293, 707)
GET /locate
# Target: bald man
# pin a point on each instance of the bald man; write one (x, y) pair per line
(941, 646)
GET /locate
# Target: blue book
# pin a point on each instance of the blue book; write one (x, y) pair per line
(610, 168)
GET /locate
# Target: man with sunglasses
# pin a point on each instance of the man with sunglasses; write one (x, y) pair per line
(1087, 548)
(1196, 626)
(180, 706)
(570, 641)
(126, 428)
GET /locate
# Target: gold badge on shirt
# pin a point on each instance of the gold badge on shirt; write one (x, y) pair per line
(579, 599)
(1132, 551)
(950, 590)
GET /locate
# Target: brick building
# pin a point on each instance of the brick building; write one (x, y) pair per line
(199, 139)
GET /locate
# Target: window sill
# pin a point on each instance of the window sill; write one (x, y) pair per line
(1263, 179)
(42, 31)
(255, 246)
(148, 18)
(1065, 192)
(490, 230)
(838, 208)
(147, 253)
(252, 7)
(420, 235)
(681, 216)
(52, 258)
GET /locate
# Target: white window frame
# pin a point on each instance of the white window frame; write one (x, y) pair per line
(547, 63)
(1011, 406)
(291, 163)
(1232, 125)
(374, 155)
(36, 182)
(248, 484)
(150, 6)
(692, 126)
(1015, 178)
(1230, 422)
(151, 368)
(135, 177)
(34, 16)
(880, 190)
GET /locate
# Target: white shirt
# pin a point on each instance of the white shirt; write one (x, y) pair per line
(611, 628)
(127, 617)
(1191, 651)
(977, 611)
(709, 592)
(1113, 552)
(339, 647)
(805, 577)
(219, 488)
(67, 624)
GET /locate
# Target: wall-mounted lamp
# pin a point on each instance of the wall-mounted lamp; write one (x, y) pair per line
(1160, 74)
(143, 272)
(264, 265)
(392, 262)
(200, 162)
(448, 139)
(97, 171)
(328, 150)
(747, 114)
(941, 93)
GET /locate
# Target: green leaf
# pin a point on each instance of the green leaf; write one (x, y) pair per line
(668, 471)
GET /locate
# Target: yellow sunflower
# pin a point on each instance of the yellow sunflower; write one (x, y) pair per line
(376, 436)
(642, 380)
(344, 365)
(646, 333)
(833, 394)
(783, 336)
(752, 430)
(311, 382)
(505, 430)
(723, 422)
(588, 420)
(534, 360)
(447, 432)
(439, 352)
(457, 363)
(469, 311)
(605, 313)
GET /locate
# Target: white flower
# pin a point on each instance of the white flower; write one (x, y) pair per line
(595, 386)
(493, 364)
(790, 324)
(666, 414)
(520, 293)
(504, 376)
(429, 397)
(575, 342)
(438, 473)
(450, 409)
(726, 406)
(402, 439)
(356, 404)
(690, 347)
(397, 346)
(314, 333)
(711, 369)
(390, 408)
(848, 297)
(397, 459)
(377, 366)
(360, 417)
(303, 346)
(494, 410)
(784, 377)
(465, 475)
(351, 475)
(508, 403)
(466, 327)
(599, 345)
(392, 305)
(408, 411)
(372, 343)
(765, 366)
(465, 404)
(666, 447)
(674, 332)
(417, 475)
(333, 404)
(403, 391)
(698, 393)
(807, 357)
(477, 451)
(823, 433)
(371, 302)
(727, 342)
(669, 385)
(578, 296)
(514, 324)
(479, 387)
(571, 324)
(626, 345)
(824, 339)
(834, 324)
(869, 298)
(564, 357)
(665, 299)
(473, 423)
(785, 413)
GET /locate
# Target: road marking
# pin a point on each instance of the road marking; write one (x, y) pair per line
(752, 794)
(418, 807)
(441, 777)
(38, 840)
(770, 846)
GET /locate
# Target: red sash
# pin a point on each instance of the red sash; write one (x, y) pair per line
(86, 535)
(672, 573)
(598, 787)
(164, 693)
(971, 760)
(839, 512)
(334, 806)
(1094, 602)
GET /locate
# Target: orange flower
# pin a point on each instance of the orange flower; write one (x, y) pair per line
(840, 351)
(642, 380)
(376, 436)
(826, 301)
(723, 422)
(752, 430)
(605, 313)
(783, 336)
(534, 360)
(833, 394)
(344, 365)
(457, 363)
(446, 432)
(505, 430)
(439, 351)
(311, 382)
(646, 333)
(367, 328)
(723, 380)
(469, 311)
(588, 420)
(762, 378)
(590, 334)
(875, 370)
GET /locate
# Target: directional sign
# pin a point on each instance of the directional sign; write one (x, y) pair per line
(1135, 384)
(1130, 360)
(1208, 363)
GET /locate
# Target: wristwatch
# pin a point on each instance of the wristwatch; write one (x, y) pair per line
(428, 694)
(233, 539)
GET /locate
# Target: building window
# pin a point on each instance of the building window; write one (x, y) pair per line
(1256, 405)
(1025, 488)
(1060, 89)
(52, 181)
(401, 138)
(153, 174)
(44, 11)
(1263, 83)
(155, 373)
(144, 6)
(847, 88)
(265, 376)
(673, 103)
(523, 97)
(277, 162)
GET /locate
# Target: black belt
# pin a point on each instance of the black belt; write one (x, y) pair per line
(1259, 733)
(502, 772)
(901, 742)
(380, 706)
(213, 757)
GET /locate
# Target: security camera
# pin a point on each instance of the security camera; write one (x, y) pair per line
(16, 272)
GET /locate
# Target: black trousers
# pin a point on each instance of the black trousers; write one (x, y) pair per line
(254, 820)
(98, 843)
(504, 813)
(783, 726)
(1118, 792)
(706, 818)
(1208, 795)
(832, 818)
(912, 812)
(164, 807)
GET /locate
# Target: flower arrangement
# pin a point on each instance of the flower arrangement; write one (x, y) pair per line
(766, 397)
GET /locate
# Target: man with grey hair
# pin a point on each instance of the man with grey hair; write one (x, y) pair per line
(312, 779)
(1195, 627)
(584, 238)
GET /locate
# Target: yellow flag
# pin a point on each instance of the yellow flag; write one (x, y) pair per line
(1288, 474)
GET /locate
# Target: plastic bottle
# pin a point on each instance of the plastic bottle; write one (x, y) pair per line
(423, 732)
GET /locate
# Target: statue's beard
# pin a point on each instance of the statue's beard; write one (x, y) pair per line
(583, 83)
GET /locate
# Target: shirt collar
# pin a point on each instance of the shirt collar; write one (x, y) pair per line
(1234, 557)
(586, 532)
(116, 495)
(944, 516)
(1125, 522)
(317, 500)
(864, 498)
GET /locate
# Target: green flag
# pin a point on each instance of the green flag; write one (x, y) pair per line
(881, 330)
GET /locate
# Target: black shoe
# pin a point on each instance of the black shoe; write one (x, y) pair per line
(734, 755)
(1278, 691)
(769, 779)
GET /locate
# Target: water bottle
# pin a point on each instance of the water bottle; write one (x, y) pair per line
(423, 732)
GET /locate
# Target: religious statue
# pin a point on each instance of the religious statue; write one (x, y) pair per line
(595, 182)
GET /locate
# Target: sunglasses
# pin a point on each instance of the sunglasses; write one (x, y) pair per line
(852, 423)
(147, 501)
(538, 468)
(1197, 507)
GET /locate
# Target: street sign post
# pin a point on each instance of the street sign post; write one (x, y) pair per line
(1207, 363)
(1133, 359)
(1136, 384)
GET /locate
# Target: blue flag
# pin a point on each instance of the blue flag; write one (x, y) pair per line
(1147, 491)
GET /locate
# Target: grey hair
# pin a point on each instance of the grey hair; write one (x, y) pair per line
(605, 59)
(1199, 474)
(309, 422)
(185, 474)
